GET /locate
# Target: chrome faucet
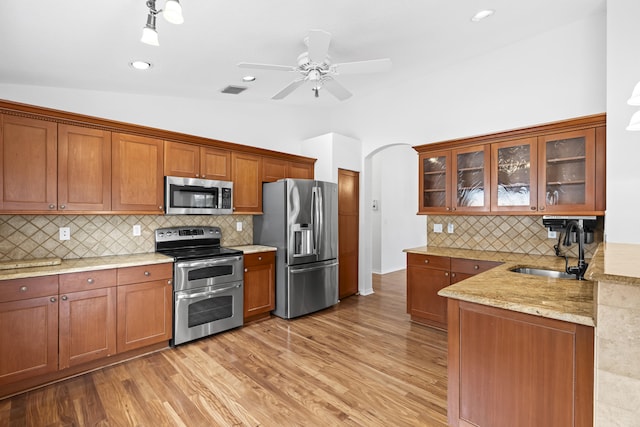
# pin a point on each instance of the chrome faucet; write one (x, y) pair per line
(579, 269)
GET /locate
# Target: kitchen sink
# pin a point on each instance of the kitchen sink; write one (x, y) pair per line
(543, 272)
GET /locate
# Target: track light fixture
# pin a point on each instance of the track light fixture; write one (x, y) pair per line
(172, 12)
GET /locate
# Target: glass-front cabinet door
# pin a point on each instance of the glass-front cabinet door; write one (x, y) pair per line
(567, 171)
(435, 182)
(514, 176)
(471, 178)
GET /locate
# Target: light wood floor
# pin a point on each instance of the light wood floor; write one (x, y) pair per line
(362, 363)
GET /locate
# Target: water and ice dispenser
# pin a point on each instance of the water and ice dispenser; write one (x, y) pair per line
(303, 240)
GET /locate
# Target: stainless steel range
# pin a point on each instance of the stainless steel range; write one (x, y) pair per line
(207, 280)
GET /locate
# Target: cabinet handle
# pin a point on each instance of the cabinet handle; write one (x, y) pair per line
(160, 207)
(246, 270)
(204, 176)
(169, 282)
(452, 274)
(52, 206)
(476, 267)
(446, 273)
(52, 299)
(541, 208)
(448, 208)
(90, 281)
(259, 258)
(426, 261)
(533, 208)
(64, 298)
(197, 175)
(63, 206)
(23, 289)
(146, 273)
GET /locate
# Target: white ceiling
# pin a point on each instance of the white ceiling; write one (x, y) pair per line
(88, 44)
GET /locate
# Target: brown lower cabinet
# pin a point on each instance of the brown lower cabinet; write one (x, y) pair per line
(259, 285)
(514, 369)
(426, 275)
(60, 325)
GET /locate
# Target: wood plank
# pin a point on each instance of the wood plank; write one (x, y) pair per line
(360, 363)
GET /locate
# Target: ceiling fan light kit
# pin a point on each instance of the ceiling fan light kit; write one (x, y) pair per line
(315, 66)
(172, 13)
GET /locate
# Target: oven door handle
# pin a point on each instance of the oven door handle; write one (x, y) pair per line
(207, 263)
(206, 293)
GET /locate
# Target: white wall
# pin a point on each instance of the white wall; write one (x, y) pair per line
(395, 225)
(556, 75)
(267, 125)
(623, 147)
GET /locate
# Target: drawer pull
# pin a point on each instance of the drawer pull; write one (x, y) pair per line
(452, 274)
(246, 270)
(426, 261)
(23, 289)
(259, 258)
(64, 298)
(446, 273)
(476, 267)
(90, 281)
(146, 273)
(52, 299)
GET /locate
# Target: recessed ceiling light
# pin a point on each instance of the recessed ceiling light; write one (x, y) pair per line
(482, 14)
(248, 78)
(140, 65)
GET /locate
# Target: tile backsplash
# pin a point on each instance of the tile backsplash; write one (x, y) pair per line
(519, 234)
(25, 237)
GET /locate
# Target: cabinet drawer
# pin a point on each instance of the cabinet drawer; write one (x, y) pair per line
(144, 273)
(259, 258)
(471, 266)
(430, 261)
(87, 280)
(33, 287)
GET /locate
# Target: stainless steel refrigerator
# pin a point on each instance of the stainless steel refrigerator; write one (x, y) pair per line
(300, 219)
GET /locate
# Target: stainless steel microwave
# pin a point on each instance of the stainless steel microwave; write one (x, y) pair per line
(193, 196)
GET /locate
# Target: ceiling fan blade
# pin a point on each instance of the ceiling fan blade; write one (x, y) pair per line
(336, 89)
(372, 66)
(288, 89)
(266, 66)
(318, 44)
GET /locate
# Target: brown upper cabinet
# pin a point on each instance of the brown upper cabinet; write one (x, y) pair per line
(53, 167)
(137, 174)
(193, 161)
(274, 169)
(246, 172)
(558, 168)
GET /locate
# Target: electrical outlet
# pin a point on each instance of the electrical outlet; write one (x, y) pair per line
(450, 228)
(437, 228)
(552, 234)
(136, 230)
(239, 226)
(65, 233)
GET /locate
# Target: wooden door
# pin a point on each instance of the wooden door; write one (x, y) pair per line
(246, 170)
(274, 169)
(84, 169)
(567, 171)
(28, 158)
(144, 314)
(215, 164)
(259, 285)
(137, 174)
(29, 337)
(87, 326)
(426, 275)
(181, 159)
(348, 231)
(514, 176)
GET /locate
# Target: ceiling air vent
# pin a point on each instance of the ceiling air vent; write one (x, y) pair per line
(234, 90)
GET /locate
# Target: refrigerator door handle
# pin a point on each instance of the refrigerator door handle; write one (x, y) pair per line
(320, 267)
(316, 200)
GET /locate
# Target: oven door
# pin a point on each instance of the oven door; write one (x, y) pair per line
(205, 311)
(194, 274)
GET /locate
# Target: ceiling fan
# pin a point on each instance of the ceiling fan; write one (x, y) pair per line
(315, 66)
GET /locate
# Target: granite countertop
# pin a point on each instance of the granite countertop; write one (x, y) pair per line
(251, 249)
(86, 264)
(617, 263)
(562, 299)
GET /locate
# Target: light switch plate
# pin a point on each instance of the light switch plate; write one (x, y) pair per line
(239, 226)
(136, 230)
(450, 228)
